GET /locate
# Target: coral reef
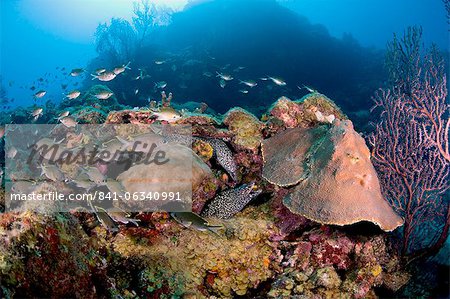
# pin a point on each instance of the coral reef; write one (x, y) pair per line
(285, 154)
(166, 99)
(337, 183)
(130, 117)
(269, 249)
(55, 250)
(192, 262)
(316, 102)
(245, 127)
(286, 112)
(307, 112)
(286, 221)
(326, 263)
(203, 149)
(90, 115)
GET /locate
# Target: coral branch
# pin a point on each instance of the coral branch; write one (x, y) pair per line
(410, 146)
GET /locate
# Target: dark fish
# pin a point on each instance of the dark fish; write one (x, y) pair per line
(224, 156)
(231, 201)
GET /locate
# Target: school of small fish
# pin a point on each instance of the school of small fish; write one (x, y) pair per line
(224, 206)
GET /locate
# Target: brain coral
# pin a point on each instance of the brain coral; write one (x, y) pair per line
(246, 128)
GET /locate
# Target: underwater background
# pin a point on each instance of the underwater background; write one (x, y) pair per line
(335, 47)
(245, 74)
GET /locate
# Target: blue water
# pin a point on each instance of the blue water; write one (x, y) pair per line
(334, 46)
(277, 46)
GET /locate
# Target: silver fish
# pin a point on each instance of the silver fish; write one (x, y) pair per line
(192, 220)
(231, 201)
(104, 218)
(82, 181)
(222, 83)
(277, 81)
(309, 89)
(105, 76)
(249, 83)
(120, 69)
(37, 112)
(160, 84)
(73, 94)
(103, 95)
(52, 172)
(40, 94)
(99, 71)
(68, 122)
(95, 175)
(115, 187)
(239, 68)
(225, 77)
(62, 115)
(11, 153)
(111, 150)
(23, 187)
(76, 72)
(119, 216)
(167, 114)
(49, 149)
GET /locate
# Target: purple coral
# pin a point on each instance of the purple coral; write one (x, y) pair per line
(287, 221)
(410, 146)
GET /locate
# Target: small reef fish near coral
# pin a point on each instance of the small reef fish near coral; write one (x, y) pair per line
(223, 149)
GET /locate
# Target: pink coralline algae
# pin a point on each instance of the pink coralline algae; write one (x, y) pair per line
(287, 111)
(287, 221)
(326, 263)
(330, 251)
